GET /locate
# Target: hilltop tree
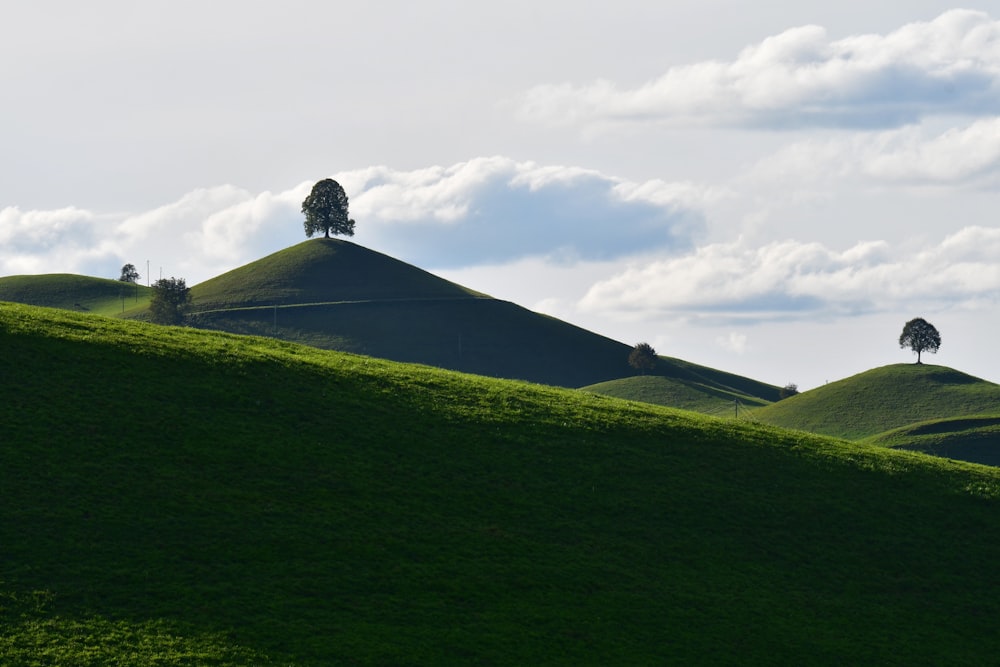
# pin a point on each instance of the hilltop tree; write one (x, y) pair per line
(129, 274)
(642, 357)
(169, 301)
(920, 335)
(326, 210)
(789, 390)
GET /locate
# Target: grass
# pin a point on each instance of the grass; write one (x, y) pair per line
(323, 271)
(681, 384)
(883, 399)
(175, 496)
(79, 293)
(965, 438)
(337, 295)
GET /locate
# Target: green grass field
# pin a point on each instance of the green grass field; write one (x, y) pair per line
(78, 293)
(174, 496)
(883, 399)
(681, 384)
(965, 438)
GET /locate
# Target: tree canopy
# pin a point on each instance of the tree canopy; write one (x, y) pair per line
(170, 299)
(129, 274)
(326, 210)
(642, 357)
(920, 336)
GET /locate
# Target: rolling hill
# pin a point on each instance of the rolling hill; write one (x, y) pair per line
(334, 294)
(883, 399)
(74, 292)
(176, 496)
(974, 439)
(680, 384)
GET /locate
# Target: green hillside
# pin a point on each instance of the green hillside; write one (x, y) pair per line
(175, 496)
(974, 439)
(882, 399)
(681, 384)
(73, 292)
(321, 271)
(337, 295)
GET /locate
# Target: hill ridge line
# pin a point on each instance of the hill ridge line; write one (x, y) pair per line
(349, 302)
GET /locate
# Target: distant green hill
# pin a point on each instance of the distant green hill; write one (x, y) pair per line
(882, 399)
(974, 439)
(174, 496)
(681, 384)
(74, 292)
(334, 294)
(322, 271)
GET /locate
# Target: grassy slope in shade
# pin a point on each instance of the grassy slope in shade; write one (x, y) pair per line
(174, 496)
(964, 438)
(338, 295)
(681, 384)
(73, 292)
(882, 399)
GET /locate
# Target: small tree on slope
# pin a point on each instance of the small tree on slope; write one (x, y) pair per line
(920, 335)
(169, 300)
(642, 357)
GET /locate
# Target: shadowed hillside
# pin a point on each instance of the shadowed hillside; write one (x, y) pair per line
(882, 399)
(974, 439)
(680, 384)
(175, 496)
(337, 295)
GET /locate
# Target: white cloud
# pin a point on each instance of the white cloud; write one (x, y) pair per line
(483, 210)
(733, 342)
(495, 209)
(801, 78)
(789, 280)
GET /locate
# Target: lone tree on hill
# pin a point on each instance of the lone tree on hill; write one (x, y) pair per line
(326, 210)
(170, 299)
(129, 274)
(920, 335)
(642, 357)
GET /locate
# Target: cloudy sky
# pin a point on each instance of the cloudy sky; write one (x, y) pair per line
(772, 190)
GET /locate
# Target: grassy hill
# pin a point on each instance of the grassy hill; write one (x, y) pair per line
(681, 384)
(175, 496)
(883, 399)
(322, 271)
(965, 438)
(74, 292)
(334, 294)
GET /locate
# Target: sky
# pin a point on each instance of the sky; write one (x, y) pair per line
(769, 189)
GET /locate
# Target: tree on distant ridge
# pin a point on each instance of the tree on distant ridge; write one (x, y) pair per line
(326, 210)
(920, 335)
(642, 357)
(170, 299)
(789, 390)
(129, 274)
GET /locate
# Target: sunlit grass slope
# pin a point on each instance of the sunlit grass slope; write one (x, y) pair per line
(322, 271)
(884, 398)
(681, 384)
(965, 438)
(338, 295)
(74, 292)
(175, 496)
